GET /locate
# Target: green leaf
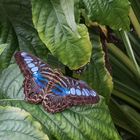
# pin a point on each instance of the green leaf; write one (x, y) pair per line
(109, 12)
(7, 37)
(135, 41)
(128, 83)
(134, 117)
(126, 91)
(11, 81)
(2, 47)
(17, 31)
(68, 9)
(96, 75)
(136, 6)
(18, 124)
(125, 117)
(72, 48)
(77, 123)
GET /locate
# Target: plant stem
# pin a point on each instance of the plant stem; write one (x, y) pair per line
(123, 58)
(126, 98)
(134, 21)
(130, 50)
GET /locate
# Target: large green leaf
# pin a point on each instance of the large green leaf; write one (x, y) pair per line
(8, 39)
(91, 122)
(2, 47)
(96, 74)
(18, 124)
(17, 31)
(109, 12)
(66, 40)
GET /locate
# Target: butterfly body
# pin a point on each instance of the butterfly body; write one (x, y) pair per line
(55, 91)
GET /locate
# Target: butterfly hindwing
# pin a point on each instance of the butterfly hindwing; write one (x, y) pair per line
(75, 93)
(56, 91)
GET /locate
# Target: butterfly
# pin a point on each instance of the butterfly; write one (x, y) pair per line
(51, 88)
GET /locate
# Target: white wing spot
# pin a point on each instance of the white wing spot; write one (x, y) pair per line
(34, 69)
(93, 93)
(72, 91)
(86, 92)
(83, 93)
(28, 61)
(78, 92)
(23, 54)
(31, 65)
(35, 63)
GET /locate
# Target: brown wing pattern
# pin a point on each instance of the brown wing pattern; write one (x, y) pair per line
(55, 91)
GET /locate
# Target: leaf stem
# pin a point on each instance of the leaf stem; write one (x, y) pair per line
(126, 98)
(130, 50)
(134, 21)
(123, 58)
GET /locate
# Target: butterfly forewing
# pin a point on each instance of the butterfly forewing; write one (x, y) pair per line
(53, 89)
(34, 84)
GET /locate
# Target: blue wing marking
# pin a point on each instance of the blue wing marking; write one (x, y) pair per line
(62, 91)
(38, 79)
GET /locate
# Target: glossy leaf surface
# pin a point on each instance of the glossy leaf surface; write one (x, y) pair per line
(96, 74)
(77, 123)
(18, 124)
(17, 31)
(113, 13)
(67, 41)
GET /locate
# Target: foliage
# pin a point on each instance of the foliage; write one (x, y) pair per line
(69, 35)
(14, 122)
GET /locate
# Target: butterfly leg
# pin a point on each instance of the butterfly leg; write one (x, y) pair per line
(54, 103)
